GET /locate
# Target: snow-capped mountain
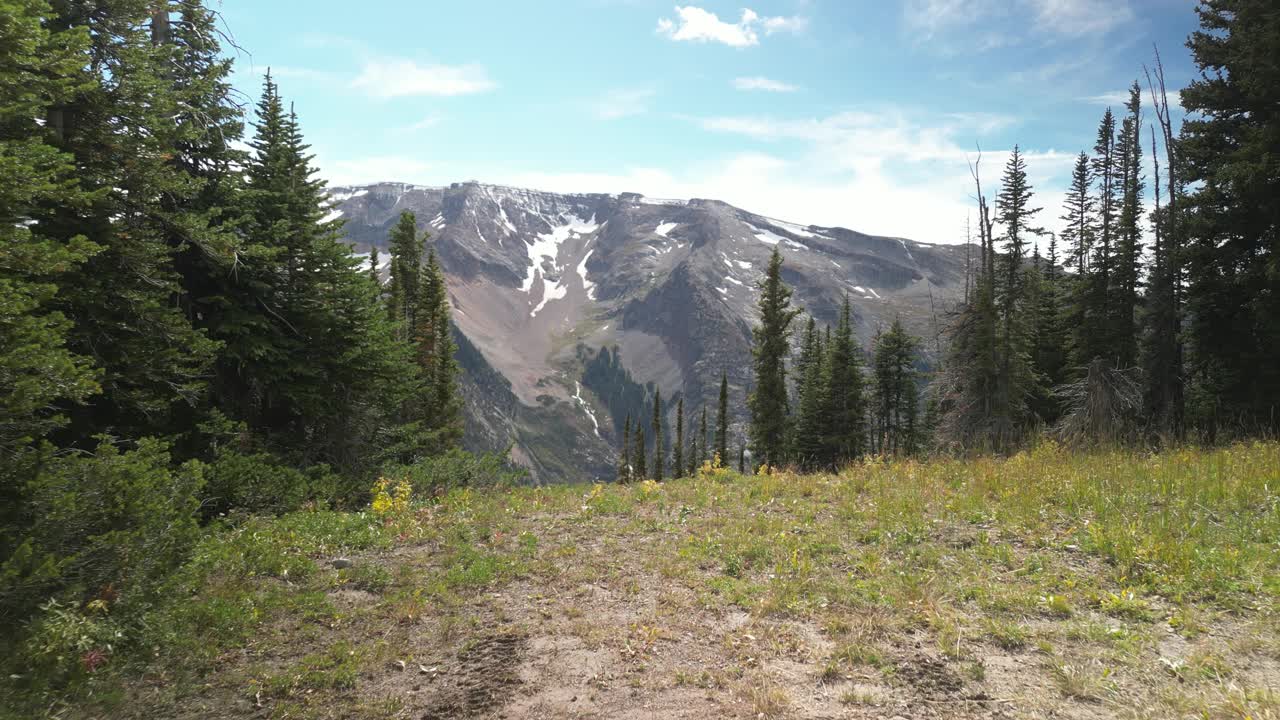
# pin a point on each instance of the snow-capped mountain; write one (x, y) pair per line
(541, 281)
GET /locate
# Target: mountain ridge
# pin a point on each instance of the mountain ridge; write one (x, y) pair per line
(542, 281)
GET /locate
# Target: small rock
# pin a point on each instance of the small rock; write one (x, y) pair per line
(341, 563)
(399, 664)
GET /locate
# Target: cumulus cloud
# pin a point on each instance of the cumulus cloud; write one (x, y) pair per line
(399, 77)
(763, 83)
(888, 172)
(694, 24)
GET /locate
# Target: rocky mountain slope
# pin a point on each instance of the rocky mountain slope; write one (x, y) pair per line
(541, 282)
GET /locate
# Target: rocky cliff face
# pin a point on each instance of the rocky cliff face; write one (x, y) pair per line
(541, 281)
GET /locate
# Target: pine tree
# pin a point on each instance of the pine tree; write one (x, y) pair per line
(1162, 350)
(769, 406)
(845, 433)
(436, 351)
(895, 394)
(1228, 233)
(658, 455)
(1123, 303)
(810, 443)
(677, 460)
(722, 420)
(1106, 174)
(1049, 347)
(1079, 234)
(974, 412)
(624, 459)
(1017, 380)
(39, 70)
(693, 452)
(373, 267)
(639, 471)
(703, 447)
(126, 127)
(405, 246)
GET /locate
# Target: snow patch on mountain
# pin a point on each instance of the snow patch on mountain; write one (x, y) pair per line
(545, 250)
(587, 285)
(586, 407)
(766, 236)
(664, 228)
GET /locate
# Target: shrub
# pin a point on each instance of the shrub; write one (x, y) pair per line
(110, 525)
(260, 483)
(100, 535)
(455, 469)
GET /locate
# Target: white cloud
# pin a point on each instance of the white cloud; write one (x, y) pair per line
(387, 168)
(1114, 98)
(1080, 17)
(794, 24)
(693, 24)
(622, 103)
(399, 77)
(889, 172)
(763, 83)
(930, 19)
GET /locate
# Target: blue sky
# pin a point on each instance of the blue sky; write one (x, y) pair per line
(832, 112)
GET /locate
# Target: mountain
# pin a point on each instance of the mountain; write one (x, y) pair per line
(571, 308)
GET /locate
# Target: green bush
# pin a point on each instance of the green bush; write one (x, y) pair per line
(455, 469)
(98, 536)
(260, 483)
(109, 525)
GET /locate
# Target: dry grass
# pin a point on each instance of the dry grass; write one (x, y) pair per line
(1135, 585)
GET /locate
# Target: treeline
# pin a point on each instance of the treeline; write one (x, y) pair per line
(1115, 341)
(1105, 339)
(182, 333)
(815, 409)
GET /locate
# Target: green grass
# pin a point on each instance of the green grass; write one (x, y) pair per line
(1074, 563)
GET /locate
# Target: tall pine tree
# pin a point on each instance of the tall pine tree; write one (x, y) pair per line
(769, 405)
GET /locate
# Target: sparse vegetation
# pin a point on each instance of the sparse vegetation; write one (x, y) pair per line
(1147, 582)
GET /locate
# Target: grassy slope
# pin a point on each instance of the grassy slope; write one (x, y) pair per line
(1106, 585)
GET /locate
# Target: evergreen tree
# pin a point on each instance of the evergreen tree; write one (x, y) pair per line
(405, 246)
(693, 452)
(1106, 174)
(810, 444)
(624, 459)
(639, 471)
(1229, 231)
(39, 70)
(845, 432)
(677, 460)
(1049, 346)
(125, 127)
(703, 447)
(769, 406)
(1162, 350)
(895, 395)
(658, 455)
(436, 350)
(1016, 382)
(974, 413)
(722, 420)
(1123, 303)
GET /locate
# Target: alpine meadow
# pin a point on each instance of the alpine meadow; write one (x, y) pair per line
(297, 422)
